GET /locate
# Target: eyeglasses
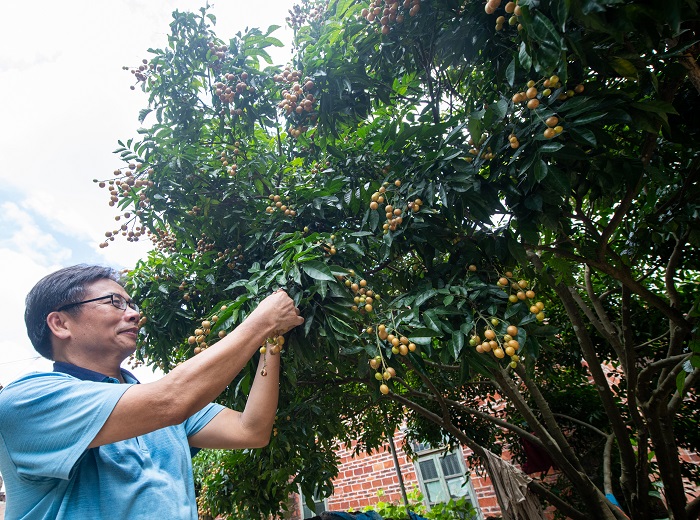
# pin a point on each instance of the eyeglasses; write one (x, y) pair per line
(117, 300)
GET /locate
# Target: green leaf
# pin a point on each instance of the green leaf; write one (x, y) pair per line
(680, 381)
(524, 58)
(540, 170)
(425, 296)
(421, 336)
(510, 73)
(457, 343)
(623, 67)
(317, 270)
(432, 321)
(658, 107)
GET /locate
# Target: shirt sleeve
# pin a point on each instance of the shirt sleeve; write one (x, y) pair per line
(199, 420)
(47, 421)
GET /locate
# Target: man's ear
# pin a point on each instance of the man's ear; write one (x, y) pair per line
(58, 325)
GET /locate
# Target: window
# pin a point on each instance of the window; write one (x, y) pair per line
(443, 476)
(319, 504)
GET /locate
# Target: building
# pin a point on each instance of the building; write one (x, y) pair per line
(364, 480)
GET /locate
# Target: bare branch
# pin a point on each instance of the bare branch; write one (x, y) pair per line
(582, 423)
(429, 383)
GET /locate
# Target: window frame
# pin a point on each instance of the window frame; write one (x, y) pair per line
(303, 508)
(423, 453)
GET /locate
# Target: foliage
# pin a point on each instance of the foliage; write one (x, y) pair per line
(422, 171)
(459, 509)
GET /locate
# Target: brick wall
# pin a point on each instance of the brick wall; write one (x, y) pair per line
(362, 477)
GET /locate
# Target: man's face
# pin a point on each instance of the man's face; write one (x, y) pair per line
(101, 327)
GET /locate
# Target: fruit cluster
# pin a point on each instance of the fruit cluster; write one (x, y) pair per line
(163, 240)
(234, 87)
(400, 345)
(307, 12)
(533, 97)
(499, 345)
(274, 346)
(131, 183)
(364, 298)
(230, 256)
(298, 101)
(199, 339)
(329, 246)
(383, 372)
(230, 163)
(141, 73)
(394, 215)
(476, 151)
(217, 50)
(519, 291)
(393, 12)
(511, 8)
(278, 204)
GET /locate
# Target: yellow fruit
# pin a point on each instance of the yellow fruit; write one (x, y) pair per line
(512, 330)
(384, 389)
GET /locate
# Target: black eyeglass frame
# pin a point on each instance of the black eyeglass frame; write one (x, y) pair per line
(118, 297)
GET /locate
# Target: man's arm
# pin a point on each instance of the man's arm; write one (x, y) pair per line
(251, 428)
(198, 381)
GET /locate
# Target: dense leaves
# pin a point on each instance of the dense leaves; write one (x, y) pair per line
(408, 179)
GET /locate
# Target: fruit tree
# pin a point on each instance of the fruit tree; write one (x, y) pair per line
(487, 213)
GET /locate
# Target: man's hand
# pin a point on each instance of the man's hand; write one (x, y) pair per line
(279, 311)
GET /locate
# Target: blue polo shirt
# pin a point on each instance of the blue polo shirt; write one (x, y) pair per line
(47, 421)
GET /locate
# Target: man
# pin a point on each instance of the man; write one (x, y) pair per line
(87, 442)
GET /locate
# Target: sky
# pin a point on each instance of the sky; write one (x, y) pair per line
(64, 103)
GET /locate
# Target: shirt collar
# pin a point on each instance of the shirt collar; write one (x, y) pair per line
(90, 375)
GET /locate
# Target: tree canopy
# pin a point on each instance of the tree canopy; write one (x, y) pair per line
(487, 214)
